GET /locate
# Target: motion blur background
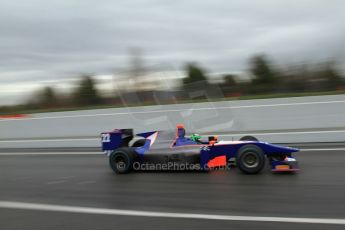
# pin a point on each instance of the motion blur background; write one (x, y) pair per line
(71, 69)
(63, 55)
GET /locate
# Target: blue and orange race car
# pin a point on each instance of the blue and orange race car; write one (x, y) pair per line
(164, 150)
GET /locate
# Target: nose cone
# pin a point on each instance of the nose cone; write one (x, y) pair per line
(293, 149)
(281, 149)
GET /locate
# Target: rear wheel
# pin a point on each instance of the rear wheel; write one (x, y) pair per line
(122, 159)
(250, 159)
(248, 138)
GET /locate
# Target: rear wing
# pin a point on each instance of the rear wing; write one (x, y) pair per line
(115, 139)
(121, 138)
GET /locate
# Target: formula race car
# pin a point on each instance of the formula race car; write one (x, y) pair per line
(165, 150)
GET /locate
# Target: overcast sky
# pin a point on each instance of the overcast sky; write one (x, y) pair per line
(46, 41)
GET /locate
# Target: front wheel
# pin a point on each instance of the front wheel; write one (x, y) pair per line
(248, 138)
(250, 159)
(121, 160)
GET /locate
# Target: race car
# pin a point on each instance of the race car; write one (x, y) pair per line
(174, 150)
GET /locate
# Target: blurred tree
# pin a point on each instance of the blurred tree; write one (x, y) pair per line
(331, 75)
(48, 98)
(195, 85)
(229, 86)
(261, 70)
(229, 80)
(194, 74)
(43, 98)
(86, 93)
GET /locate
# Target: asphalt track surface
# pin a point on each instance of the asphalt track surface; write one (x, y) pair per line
(317, 191)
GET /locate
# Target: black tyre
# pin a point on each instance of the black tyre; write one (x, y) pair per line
(122, 159)
(248, 138)
(139, 143)
(250, 159)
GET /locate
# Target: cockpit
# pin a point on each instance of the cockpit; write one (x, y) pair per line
(194, 139)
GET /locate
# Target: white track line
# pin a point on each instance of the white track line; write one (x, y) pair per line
(321, 149)
(56, 182)
(176, 110)
(100, 153)
(284, 133)
(121, 212)
(222, 135)
(49, 140)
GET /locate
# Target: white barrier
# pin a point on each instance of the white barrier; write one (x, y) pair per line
(284, 120)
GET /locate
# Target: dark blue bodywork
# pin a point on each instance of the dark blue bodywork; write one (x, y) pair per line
(165, 144)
